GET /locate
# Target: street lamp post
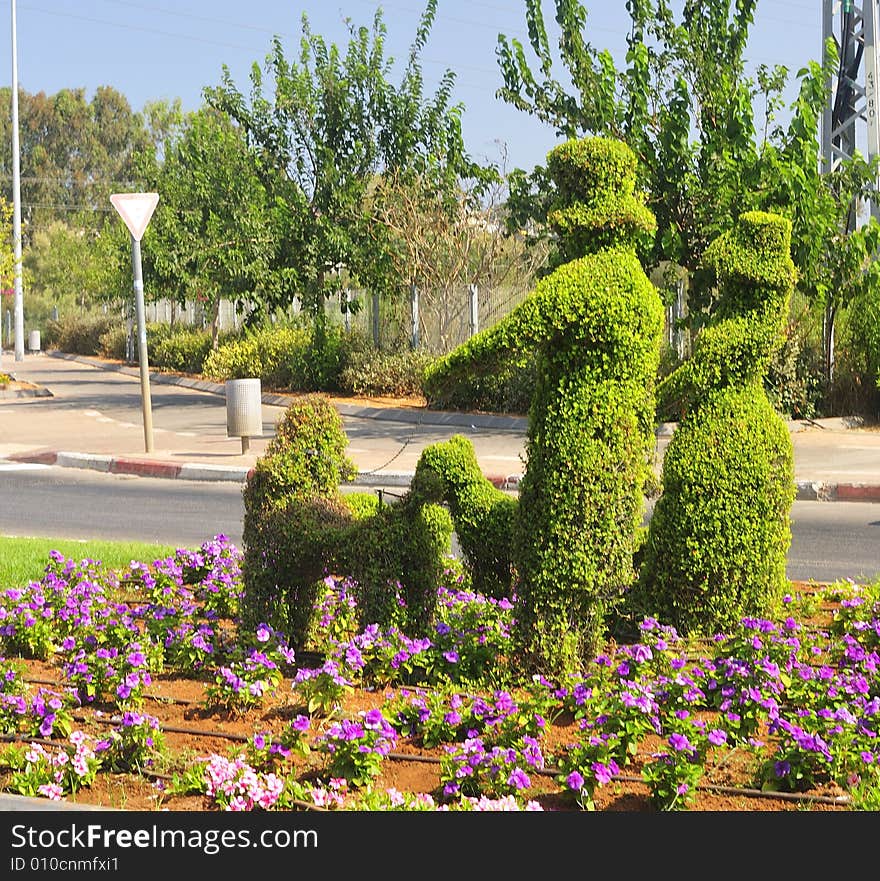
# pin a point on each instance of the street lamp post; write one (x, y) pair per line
(16, 203)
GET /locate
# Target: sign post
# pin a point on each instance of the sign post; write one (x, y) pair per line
(136, 209)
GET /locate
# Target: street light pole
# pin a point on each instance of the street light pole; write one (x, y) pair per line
(16, 203)
(142, 342)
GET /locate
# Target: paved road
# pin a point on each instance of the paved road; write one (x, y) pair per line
(829, 541)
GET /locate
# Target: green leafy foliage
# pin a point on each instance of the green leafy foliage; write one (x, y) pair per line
(594, 327)
(213, 234)
(298, 529)
(720, 531)
(334, 122)
(482, 514)
(373, 372)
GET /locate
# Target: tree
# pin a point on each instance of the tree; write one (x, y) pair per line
(335, 122)
(72, 265)
(73, 153)
(213, 234)
(686, 108)
(439, 241)
(682, 104)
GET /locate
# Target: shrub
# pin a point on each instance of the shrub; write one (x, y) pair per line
(507, 389)
(372, 372)
(292, 357)
(718, 538)
(184, 351)
(79, 335)
(113, 341)
(298, 529)
(268, 354)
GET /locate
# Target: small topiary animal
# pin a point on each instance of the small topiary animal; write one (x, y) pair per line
(720, 531)
(482, 514)
(298, 528)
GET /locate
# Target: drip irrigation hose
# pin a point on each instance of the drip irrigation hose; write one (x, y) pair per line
(745, 792)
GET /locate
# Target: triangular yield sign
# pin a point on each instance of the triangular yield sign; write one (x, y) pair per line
(135, 209)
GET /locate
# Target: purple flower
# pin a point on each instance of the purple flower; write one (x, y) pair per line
(679, 742)
(519, 779)
(782, 769)
(575, 781)
(603, 772)
(373, 719)
(717, 736)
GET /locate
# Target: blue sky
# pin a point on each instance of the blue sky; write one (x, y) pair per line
(150, 49)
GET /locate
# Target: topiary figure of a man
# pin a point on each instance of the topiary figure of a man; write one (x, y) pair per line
(720, 531)
(595, 324)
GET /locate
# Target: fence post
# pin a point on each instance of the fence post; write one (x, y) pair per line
(414, 311)
(475, 310)
(376, 319)
(346, 309)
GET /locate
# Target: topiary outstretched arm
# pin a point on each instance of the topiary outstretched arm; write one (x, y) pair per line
(735, 352)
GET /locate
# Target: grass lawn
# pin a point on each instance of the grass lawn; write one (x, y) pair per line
(24, 559)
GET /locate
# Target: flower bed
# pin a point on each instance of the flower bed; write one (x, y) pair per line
(137, 690)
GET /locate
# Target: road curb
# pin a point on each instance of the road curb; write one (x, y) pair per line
(838, 492)
(806, 490)
(198, 471)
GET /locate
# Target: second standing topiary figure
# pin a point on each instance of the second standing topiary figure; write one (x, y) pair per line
(720, 532)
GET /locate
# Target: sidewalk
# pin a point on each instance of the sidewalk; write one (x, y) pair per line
(87, 413)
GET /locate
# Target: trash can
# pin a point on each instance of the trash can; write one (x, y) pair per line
(34, 341)
(244, 410)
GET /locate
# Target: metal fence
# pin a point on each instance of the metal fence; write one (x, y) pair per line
(436, 322)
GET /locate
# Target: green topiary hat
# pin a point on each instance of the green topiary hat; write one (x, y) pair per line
(597, 205)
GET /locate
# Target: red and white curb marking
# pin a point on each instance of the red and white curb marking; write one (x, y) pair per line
(807, 490)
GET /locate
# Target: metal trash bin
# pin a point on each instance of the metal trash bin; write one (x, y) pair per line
(34, 341)
(244, 410)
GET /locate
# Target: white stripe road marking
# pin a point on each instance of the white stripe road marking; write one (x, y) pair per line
(22, 466)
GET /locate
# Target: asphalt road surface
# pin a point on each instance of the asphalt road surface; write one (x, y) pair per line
(830, 540)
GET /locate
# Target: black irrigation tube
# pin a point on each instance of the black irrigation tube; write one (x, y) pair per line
(158, 698)
(840, 801)
(803, 798)
(174, 729)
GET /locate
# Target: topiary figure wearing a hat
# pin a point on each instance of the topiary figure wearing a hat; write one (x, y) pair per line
(595, 324)
(720, 531)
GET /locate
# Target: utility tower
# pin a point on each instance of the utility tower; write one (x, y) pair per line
(850, 120)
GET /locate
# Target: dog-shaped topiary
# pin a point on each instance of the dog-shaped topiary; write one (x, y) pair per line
(482, 514)
(299, 528)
